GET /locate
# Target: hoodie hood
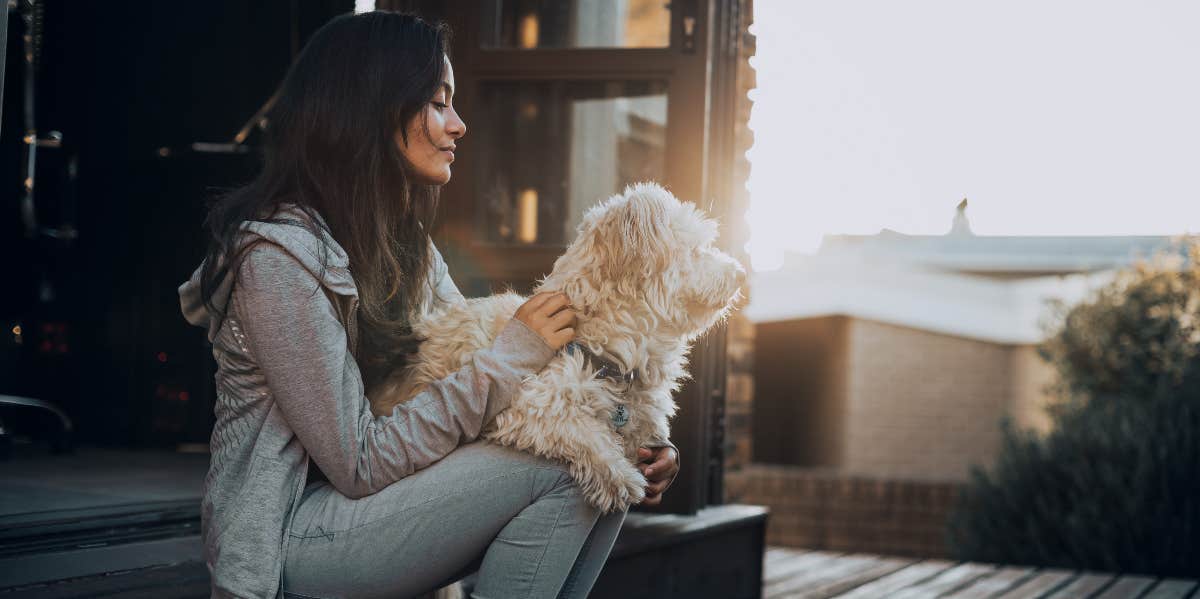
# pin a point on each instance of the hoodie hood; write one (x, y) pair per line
(299, 242)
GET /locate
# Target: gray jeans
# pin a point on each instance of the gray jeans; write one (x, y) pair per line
(517, 518)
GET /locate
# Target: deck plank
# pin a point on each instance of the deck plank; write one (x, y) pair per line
(779, 559)
(830, 579)
(1171, 588)
(790, 573)
(1084, 586)
(904, 577)
(1040, 584)
(775, 560)
(998, 582)
(796, 566)
(955, 578)
(1126, 587)
(812, 576)
(777, 554)
(881, 568)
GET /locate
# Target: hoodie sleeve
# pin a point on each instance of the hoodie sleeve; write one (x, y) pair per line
(294, 335)
(444, 286)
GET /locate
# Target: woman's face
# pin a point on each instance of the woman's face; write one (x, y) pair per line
(431, 155)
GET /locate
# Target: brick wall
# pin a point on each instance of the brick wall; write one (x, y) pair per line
(837, 512)
(739, 392)
(739, 382)
(922, 405)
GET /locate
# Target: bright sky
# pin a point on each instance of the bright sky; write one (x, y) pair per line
(1054, 117)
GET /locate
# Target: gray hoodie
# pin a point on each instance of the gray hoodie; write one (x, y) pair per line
(290, 394)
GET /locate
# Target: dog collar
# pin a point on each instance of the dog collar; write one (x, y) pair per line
(605, 369)
(608, 370)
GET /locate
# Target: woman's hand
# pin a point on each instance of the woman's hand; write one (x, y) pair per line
(549, 314)
(660, 471)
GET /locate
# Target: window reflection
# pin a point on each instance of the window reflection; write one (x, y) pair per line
(531, 24)
(555, 148)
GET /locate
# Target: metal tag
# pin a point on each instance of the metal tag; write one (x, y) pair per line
(620, 416)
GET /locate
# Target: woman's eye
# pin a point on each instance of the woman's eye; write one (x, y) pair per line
(440, 106)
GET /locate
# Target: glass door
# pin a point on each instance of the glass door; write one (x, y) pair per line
(566, 102)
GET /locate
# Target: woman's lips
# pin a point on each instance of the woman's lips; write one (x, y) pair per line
(448, 154)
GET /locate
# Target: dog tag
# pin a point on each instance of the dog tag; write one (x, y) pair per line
(620, 416)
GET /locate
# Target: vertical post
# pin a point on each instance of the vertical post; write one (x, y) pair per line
(687, 175)
(3, 56)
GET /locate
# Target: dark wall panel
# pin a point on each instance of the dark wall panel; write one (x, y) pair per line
(121, 81)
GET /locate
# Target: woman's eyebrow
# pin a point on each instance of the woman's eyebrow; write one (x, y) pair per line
(449, 90)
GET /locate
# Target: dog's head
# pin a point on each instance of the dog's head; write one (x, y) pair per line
(648, 254)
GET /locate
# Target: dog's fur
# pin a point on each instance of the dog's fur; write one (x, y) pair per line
(646, 280)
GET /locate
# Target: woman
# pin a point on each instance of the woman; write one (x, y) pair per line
(314, 272)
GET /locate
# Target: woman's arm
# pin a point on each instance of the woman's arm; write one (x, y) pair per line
(299, 344)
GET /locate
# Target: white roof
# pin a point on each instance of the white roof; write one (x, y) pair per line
(992, 288)
(1010, 254)
(898, 291)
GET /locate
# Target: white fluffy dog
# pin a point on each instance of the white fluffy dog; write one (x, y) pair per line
(646, 280)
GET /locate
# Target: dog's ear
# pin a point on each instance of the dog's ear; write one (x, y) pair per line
(642, 223)
(622, 242)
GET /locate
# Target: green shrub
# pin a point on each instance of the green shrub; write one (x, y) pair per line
(1115, 485)
(1137, 336)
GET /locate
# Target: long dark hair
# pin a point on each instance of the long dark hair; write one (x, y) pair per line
(330, 148)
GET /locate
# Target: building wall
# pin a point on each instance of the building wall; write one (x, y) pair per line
(800, 394)
(879, 400)
(915, 409)
(1032, 378)
(922, 405)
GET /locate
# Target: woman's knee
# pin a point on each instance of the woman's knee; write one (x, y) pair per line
(546, 476)
(504, 457)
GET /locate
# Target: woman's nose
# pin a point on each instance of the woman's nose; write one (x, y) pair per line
(456, 127)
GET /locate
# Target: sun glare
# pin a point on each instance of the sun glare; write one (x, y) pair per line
(878, 114)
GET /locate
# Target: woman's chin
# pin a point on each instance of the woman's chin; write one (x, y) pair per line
(439, 178)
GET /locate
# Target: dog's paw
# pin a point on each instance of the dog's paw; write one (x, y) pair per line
(634, 485)
(616, 489)
(632, 496)
(630, 486)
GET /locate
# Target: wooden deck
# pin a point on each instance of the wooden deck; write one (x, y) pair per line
(796, 573)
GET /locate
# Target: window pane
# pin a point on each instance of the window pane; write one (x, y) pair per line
(576, 24)
(549, 150)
